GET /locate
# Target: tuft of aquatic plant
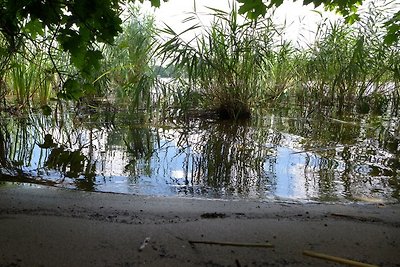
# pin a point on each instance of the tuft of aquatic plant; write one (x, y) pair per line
(128, 67)
(226, 65)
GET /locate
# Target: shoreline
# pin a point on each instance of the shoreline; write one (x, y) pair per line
(47, 226)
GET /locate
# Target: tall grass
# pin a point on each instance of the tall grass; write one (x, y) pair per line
(4, 64)
(28, 76)
(281, 72)
(232, 68)
(350, 65)
(236, 66)
(334, 64)
(225, 65)
(21, 79)
(38, 71)
(128, 63)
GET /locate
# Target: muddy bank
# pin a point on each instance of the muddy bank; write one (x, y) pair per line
(42, 226)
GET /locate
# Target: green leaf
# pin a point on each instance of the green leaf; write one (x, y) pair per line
(89, 89)
(93, 58)
(34, 27)
(46, 110)
(73, 43)
(252, 8)
(352, 18)
(78, 58)
(72, 90)
(155, 3)
(391, 38)
(392, 29)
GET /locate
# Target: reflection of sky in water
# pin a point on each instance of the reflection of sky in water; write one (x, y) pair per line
(213, 161)
(290, 184)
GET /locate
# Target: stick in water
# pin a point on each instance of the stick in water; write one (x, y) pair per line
(337, 259)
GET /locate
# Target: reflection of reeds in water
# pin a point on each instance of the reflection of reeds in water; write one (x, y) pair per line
(17, 151)
(327, 159)
(140, 143)
(228, 159)
(38, 147)
(348, 159)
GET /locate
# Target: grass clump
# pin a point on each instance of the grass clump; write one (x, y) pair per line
(232, 68)
(29, 79)
(39, 70)
(33, 80)
(128, 67)
(225, 65)
(351, 66)
(236, 66)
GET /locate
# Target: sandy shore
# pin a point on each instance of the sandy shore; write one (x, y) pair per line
(42, 226)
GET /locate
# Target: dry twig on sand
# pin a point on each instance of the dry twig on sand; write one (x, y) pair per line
(234, 244)
(336, 259)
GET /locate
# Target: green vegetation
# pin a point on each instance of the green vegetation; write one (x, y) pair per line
(143, 98)
(349, 65)
(235, 67)
(30, 78)
(77, 28)
(128, 65)
(224, 66)
(40, 71)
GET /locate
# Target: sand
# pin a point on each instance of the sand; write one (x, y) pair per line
(46, 226)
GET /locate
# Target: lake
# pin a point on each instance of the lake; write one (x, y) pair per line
(281, 154)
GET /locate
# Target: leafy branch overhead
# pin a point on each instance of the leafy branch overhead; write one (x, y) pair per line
(347, 8)
(257, 8)
(76, 25)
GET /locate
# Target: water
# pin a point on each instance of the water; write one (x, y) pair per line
(277, 155)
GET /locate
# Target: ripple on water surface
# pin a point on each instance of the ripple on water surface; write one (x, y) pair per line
(273, 157)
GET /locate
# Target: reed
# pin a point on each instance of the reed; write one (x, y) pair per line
(128, 63)
(29, 77)
(237, 66)
(233, 68)
(281, 72)
(351, 66)
(22, 80)
(225, 65)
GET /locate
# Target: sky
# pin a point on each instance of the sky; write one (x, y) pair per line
(302, 20)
